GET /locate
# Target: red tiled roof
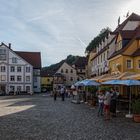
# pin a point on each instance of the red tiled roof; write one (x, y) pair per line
(33, 58)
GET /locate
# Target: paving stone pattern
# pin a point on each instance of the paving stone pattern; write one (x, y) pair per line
(38, 117)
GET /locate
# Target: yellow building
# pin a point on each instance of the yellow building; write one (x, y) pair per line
(46, 82)
(125, 61)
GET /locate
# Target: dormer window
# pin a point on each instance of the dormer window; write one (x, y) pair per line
(14, 60)
(119, 45)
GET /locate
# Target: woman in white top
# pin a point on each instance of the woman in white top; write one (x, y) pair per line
(101, 103)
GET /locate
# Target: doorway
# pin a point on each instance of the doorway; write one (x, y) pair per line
(2, 89)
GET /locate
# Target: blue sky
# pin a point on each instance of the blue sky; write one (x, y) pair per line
(58, 28)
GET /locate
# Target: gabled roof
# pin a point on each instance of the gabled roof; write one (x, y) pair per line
(135, 36)
(136, 53)
(33, 58)
(64, 62)
(127, 34)
(132, 17)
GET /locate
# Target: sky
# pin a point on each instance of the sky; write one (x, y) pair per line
(57, 28)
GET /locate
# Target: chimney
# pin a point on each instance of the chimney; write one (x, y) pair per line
(9, 45)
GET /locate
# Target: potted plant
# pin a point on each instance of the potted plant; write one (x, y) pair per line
(136, 110)
(93, 97)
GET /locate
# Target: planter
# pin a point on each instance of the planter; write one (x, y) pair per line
(136, 118)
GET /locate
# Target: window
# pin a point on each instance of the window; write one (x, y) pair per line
(27, 69)
(18, 78)
(61, 70)
(27, 78)
(71, 70)
(71, 78)
(3, 77)
(104, 56)
(80, 70)
(12, 69)
(139, 64)
(14, 60)
(129, 64)
(18, 88)
(2, 57)
(101, 58)
(18, 69)
(27, 88)
(2, 68)
(107, 53)
(119, 45)
(37, 72)
(2, 54)
(66, 70)
(12, 78)
(48, 80)
(12, 88)
(35, 79)
(2, 51)
(78, 79)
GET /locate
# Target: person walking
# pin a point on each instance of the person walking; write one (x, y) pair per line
(101, 103)
(62, 91)
(107, 99)
(113, 103)
(55, 94)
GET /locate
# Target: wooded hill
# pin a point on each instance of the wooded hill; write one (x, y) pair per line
(71, 59)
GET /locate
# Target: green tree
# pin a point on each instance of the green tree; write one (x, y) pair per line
(97, 40)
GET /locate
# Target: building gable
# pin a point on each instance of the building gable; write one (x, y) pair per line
(13, 57)
(65, 66)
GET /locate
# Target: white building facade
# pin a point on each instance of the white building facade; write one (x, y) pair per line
(69, 73)
(16, 74)
(100, 60)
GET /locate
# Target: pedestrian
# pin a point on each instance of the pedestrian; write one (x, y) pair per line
(113, 103)
(101, 103)
(107, 99)
(62, 91)
(54, 94)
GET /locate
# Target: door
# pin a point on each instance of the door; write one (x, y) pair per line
(2, 89)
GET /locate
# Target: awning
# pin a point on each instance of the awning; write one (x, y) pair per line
(123, 76)
(108, 77)
(98, 78)
(134, 76)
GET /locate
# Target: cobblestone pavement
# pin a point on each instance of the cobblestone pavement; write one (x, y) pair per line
(38, 117)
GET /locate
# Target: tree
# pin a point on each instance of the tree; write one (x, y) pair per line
(97, 40)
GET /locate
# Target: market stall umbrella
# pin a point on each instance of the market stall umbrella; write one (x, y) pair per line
(88, 82)
(130, 82)
(79, 83)
(112, 82)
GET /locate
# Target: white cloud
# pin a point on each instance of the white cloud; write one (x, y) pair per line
(56, 28)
